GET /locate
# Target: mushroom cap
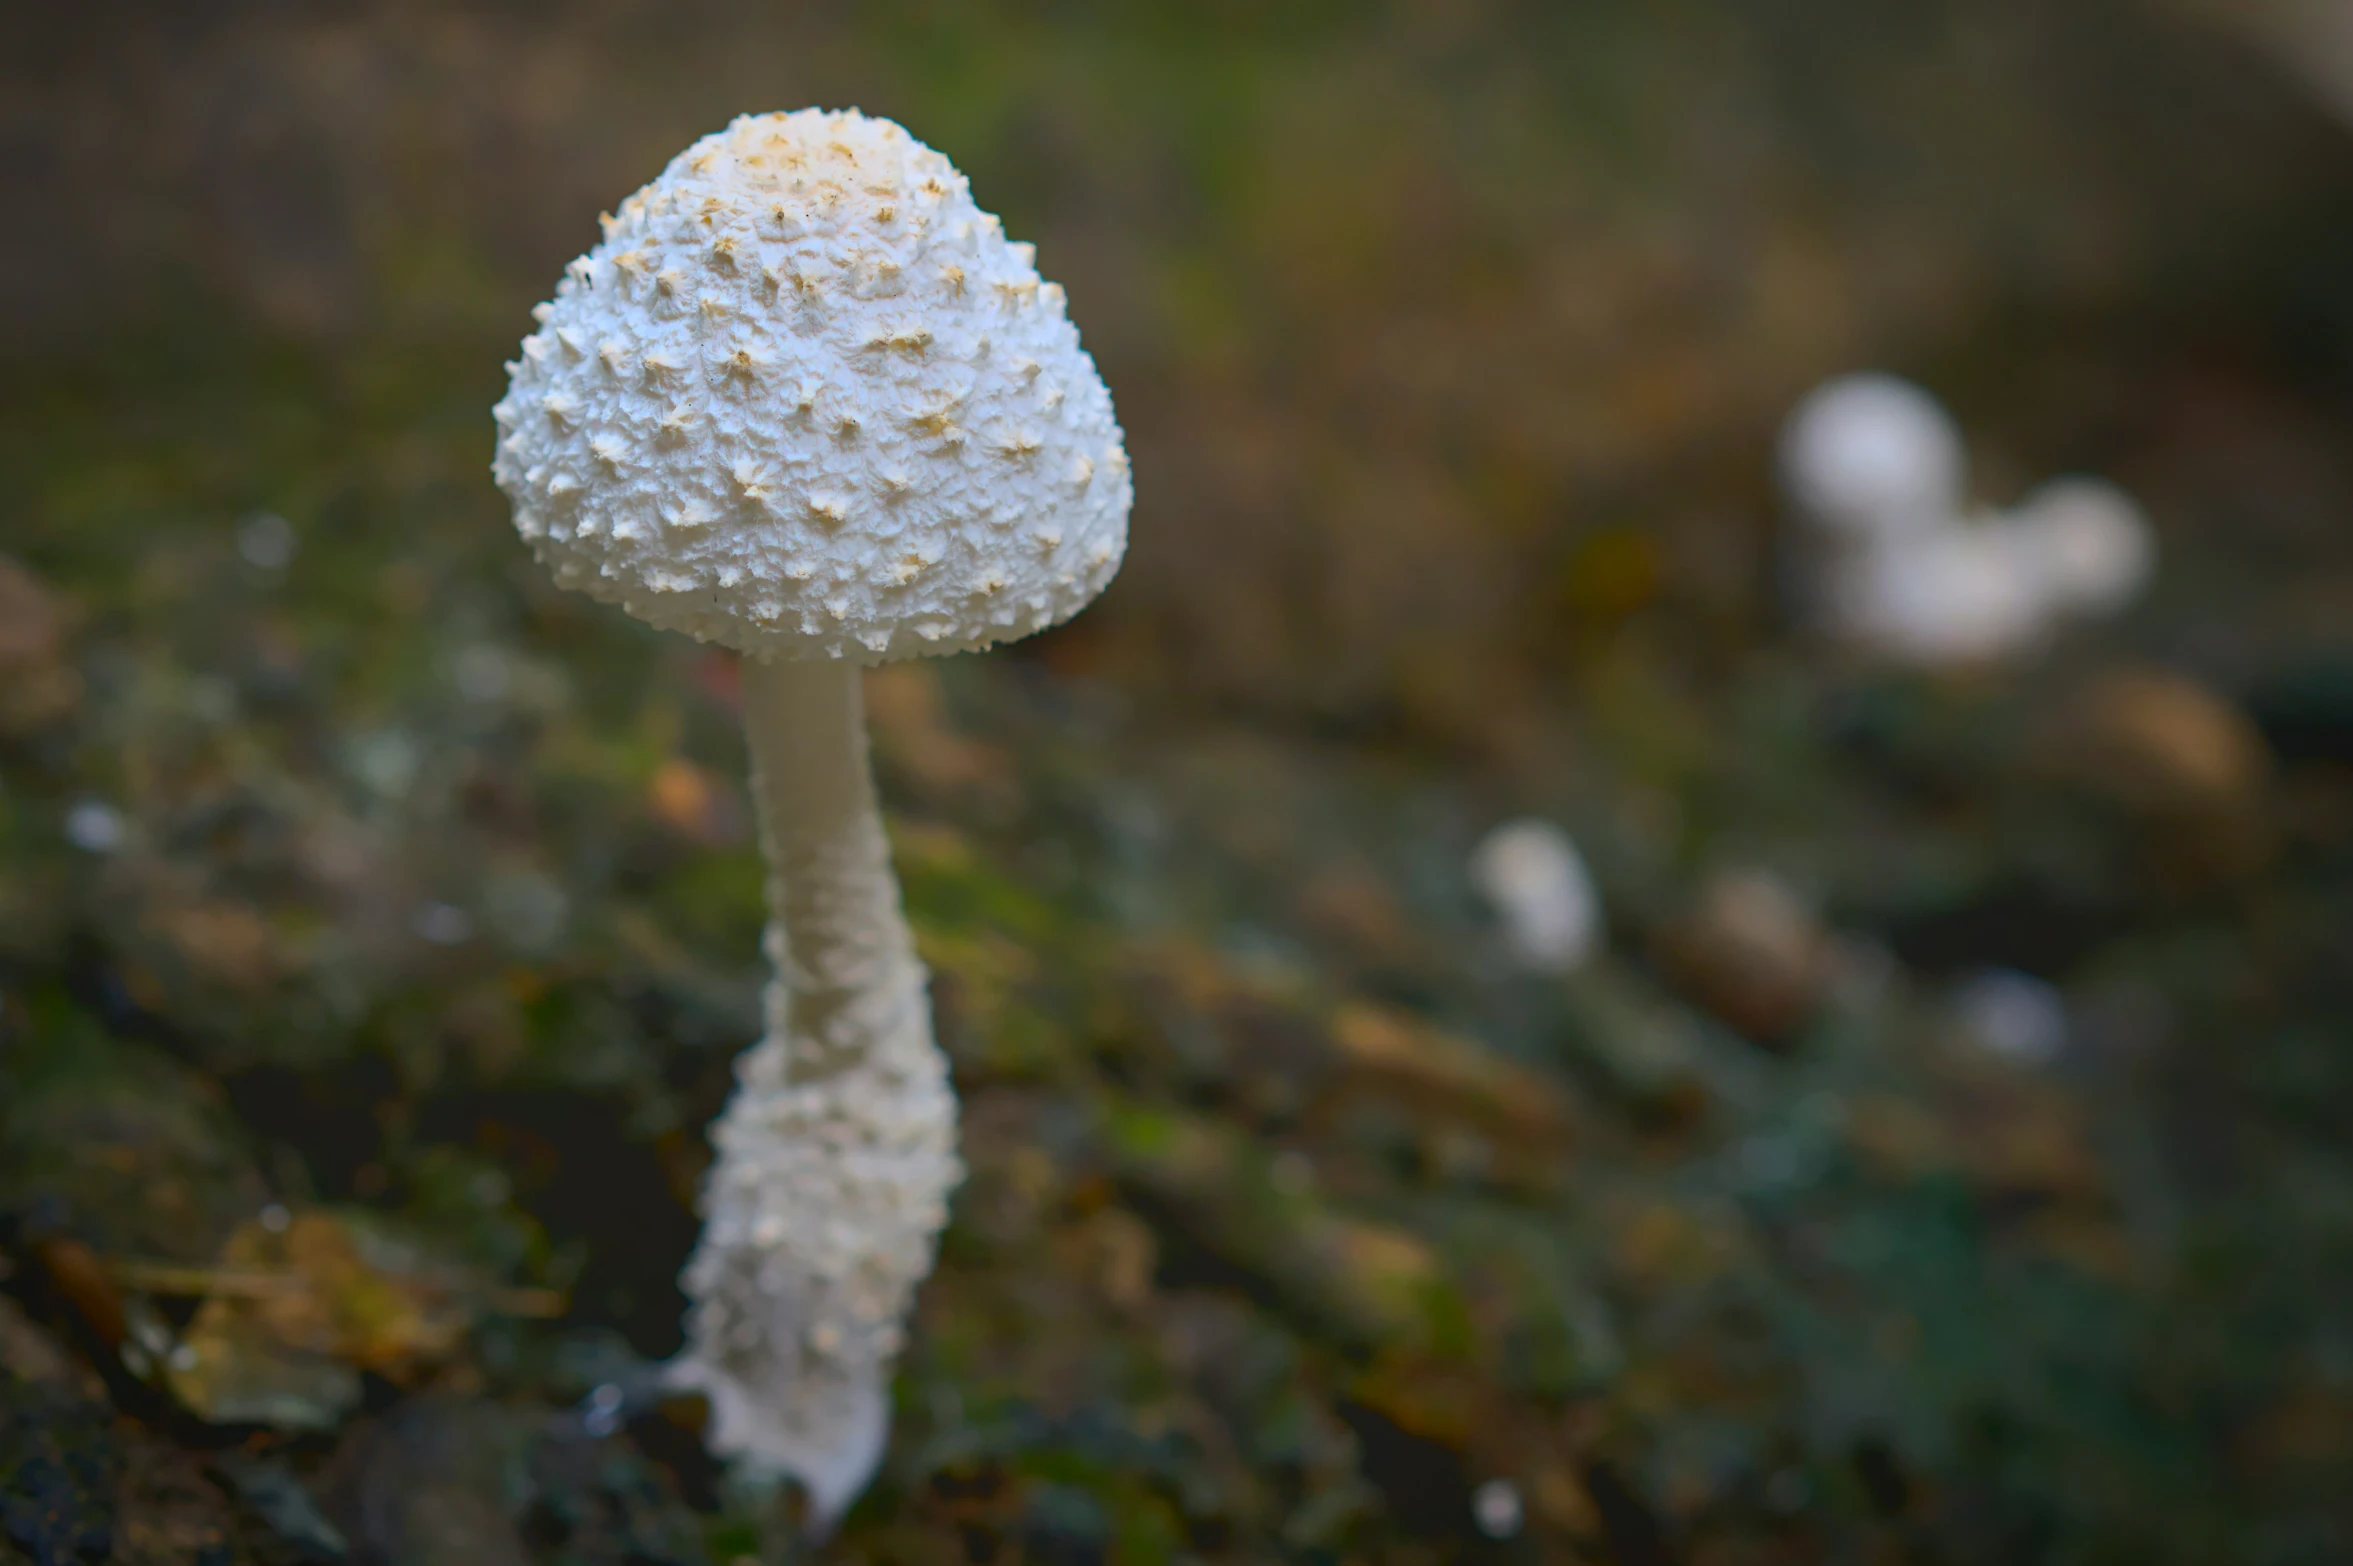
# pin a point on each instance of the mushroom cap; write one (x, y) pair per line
(808, 401)
(1869, 455)
(2091, 541)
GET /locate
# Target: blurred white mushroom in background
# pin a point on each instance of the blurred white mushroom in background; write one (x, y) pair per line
(2088, 543)
(1962, 593)
(1531, 872)
(267, 541)
(1497, 1509)
(1866, 456)
(1890, 562)
(2011, 1014)
(94, 827)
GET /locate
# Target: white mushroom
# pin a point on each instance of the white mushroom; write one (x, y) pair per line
(2089, 542)
(2012, 1014)
(1964, 593)
(1889, 561)
(1531, 872)
(831, 417)
(1869, 456)
(1874, 471)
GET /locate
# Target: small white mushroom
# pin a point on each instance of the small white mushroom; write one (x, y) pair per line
(2012, 1014)
(2089, 543)
(1866, 456)
(837, 1154)
(1531, 872)
(1888, 560)
(1963, 593)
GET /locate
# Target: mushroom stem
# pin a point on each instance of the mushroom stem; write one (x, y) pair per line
(848, 985)
(837, 1153)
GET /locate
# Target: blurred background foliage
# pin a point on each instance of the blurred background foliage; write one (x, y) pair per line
(377, 924)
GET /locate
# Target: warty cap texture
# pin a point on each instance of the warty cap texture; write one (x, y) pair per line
(807, 400)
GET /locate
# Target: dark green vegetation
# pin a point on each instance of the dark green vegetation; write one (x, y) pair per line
(377, 924)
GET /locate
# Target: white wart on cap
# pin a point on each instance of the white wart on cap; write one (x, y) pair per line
(806, 400)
